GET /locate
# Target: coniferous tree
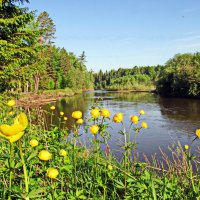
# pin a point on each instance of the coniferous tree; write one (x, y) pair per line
(47, 28)
(18, 42)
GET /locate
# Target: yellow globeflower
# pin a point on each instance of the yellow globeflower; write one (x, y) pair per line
(105, 112)
(118, 117)
(62, 113)
(77, 114)
(110, 167)
(44, 155)
(186, 146)
(33, 142)
(142, 112)
(79, 121)
(94, 129)
(198, 133)
(15, 131)
(144, 125)
(11, 113)
(134, 119)
(65, 118)
(62, 152)
(52, 107)
(52, 173)
(95, 113)
(11, 103)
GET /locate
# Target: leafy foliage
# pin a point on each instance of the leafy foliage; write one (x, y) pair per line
(181, 76)
(28, 60)
(136, 78)
(87, 172)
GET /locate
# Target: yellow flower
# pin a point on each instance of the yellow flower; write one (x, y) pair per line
(144, 125)
(52, 107)
(186, 146)
(62, 153)
(118, 117)
(95, 113)
(11, 103)
(79, 121)
(142, 112)
(15, 131)
(94, 129)
(44, 155)
(11, 113)
(52, 173)
(77, 114)
(33, 142)
(62, 113)
(198, 133)
(110, 167)
(105, 112)
(134, 119)
(65, 118)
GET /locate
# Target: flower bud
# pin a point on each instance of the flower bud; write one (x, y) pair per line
(77, 114)
(94, 129)
(44, 155)
(33, 142)
(52, 173)
(11, 102)
(105, 112)
(118, 117)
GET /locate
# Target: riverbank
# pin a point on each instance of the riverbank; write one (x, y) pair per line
(55, 161)
(129, 91)
(43, 97)
(32, 99)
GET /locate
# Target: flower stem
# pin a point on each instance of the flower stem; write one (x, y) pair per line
(125, 158)
(10, 165)
(24, 168)
(190, 165)
(74, 159)
(135, 147)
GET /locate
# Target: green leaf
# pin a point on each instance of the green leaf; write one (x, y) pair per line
(37, 192)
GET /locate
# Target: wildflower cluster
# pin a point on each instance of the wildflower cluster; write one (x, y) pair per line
(53, 163)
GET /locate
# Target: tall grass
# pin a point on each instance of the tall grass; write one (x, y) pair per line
(53, 162)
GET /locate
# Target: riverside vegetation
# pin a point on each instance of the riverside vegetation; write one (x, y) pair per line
(30, 62)
(179, 77)
(37, 162)
(55, 163)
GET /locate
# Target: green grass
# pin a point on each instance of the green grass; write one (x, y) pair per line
(90, 173)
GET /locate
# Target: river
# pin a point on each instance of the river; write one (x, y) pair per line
(169, 119)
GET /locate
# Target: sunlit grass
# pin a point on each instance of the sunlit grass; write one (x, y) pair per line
(52, 162)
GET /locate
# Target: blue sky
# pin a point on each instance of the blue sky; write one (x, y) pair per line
(124, 33)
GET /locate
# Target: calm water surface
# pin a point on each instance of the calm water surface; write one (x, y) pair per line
(169, 119)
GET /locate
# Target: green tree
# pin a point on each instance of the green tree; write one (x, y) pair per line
(180, 76)
(18, 42)
(47, 28)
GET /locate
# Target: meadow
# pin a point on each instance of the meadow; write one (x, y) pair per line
(55, 163)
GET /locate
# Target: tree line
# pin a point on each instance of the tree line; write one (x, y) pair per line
(179, 77)
(136, 78)
(29, 60)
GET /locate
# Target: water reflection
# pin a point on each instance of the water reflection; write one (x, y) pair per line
(181, 109)
(169, 119)
(68, 105)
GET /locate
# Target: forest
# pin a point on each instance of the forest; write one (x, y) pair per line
(29, 60)
(179, 77)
